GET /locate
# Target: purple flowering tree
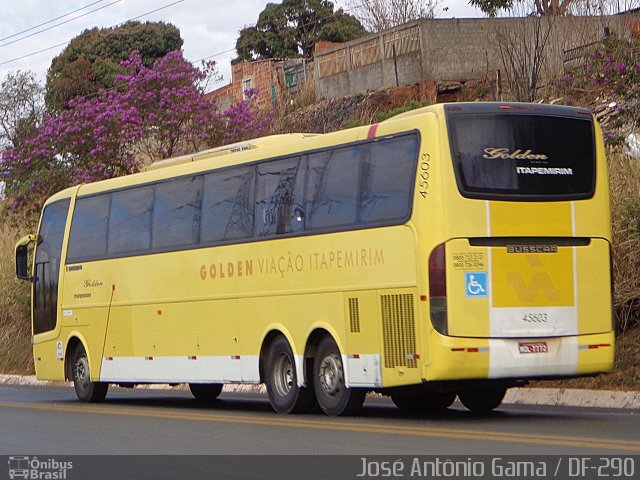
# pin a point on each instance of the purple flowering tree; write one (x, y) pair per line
(152, 113)
(175, 116)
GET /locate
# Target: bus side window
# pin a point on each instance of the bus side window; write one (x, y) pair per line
(88, 238)
(227, 205)
(279, 197)
(331, 196)
(387, 178)
(130, 221)
(176, 213)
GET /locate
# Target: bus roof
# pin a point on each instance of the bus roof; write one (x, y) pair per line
(232, 148)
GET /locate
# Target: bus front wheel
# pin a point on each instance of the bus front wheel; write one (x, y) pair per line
(482, 400)
(86, 390)
(334, 397)
(285, 395)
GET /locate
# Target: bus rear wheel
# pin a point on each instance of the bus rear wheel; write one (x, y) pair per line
(422, 402)
(334, 397)
(86, 390)
(285, 395)
(205, 392)
(482, 400)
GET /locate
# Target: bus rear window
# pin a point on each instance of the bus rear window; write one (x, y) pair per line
(515, 156)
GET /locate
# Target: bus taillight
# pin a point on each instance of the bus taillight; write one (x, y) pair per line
(438, 288)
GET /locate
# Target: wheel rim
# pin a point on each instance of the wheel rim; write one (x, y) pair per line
(283, 375)
(330, 373)
(81, 373)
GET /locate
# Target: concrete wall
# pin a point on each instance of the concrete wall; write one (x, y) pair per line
(450, 49)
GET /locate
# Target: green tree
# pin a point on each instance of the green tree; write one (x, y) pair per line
(91, 60)
(292, 28)
(492, 7)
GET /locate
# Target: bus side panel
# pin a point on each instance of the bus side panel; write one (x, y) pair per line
(401, 333)
(174, 342)
(47, 359)
(363, 338)
(202, 314)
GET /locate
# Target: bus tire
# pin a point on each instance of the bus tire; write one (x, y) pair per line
(482, 400)
(205, 392)
(422, 402)
(334, 397)
(86, 390)
(285, 396)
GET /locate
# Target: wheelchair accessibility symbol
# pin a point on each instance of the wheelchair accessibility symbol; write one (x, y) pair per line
(475, 284)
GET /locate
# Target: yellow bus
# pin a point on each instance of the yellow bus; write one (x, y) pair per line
(455, 250)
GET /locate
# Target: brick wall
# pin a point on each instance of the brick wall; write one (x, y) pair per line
(223, 97)
(261, 75)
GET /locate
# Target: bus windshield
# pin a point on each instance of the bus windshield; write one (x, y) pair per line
(522, 156)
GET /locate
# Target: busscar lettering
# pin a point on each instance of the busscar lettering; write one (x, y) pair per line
(532, 249)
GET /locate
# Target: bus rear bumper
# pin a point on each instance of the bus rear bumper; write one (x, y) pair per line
(500, 358)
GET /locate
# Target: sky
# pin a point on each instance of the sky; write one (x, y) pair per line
(33, 32)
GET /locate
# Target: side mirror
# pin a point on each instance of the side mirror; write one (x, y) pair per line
(22, 258)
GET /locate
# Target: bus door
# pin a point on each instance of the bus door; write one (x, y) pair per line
(46, 272)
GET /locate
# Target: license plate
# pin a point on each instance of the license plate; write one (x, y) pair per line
(533, 347)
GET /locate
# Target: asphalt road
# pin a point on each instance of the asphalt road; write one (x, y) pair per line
(143, 421)
(49, 421)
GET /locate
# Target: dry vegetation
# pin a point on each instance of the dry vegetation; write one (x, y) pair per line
(15, 330)
(624, 181)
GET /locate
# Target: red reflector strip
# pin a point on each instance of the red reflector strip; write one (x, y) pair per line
(372, 131)
(355, 355)
(413, 356)
(471, 349)
(594, 346)
(148, 358)
(193, 358)
(505, 107)
(423, 298)
(584, 112)
(109, 359)
(235, 357)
